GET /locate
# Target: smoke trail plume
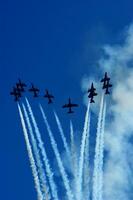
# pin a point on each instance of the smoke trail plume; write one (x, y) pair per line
(31, 157)
(101, 154)
(74, 161)
(82, 151)
(97, 153)
(57, 154)
(86, 174)
(62, 135)
(42, 176)
(44, 155)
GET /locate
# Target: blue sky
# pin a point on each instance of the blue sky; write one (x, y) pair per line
(52, 44)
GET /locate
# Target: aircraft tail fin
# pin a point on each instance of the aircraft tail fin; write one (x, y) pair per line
(70, 111)
(92, 101)
(107, 92)
(50, 101)
(35, 95)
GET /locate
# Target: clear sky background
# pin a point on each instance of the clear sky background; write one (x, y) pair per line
(52, 44)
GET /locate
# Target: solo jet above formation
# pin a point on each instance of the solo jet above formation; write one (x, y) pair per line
(49, 96)
(20, 86)
(34, 90)
(70, 105)
(92, 93)
(16, 93)
(106, 84)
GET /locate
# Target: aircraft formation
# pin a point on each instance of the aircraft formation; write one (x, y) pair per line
(20, 87)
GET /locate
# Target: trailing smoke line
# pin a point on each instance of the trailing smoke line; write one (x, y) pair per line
(97, 154)
(81, 176)
(73, 153)
(86, 174)
(101, 156)
(82, 151)
(31, 157)
(42, 176)
(62, 135)
(57, 154)
(44, 155)
(74, 162)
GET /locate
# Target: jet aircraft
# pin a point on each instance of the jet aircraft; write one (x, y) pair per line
(34, 90)
(106, 84)
(16, 93)
(92, 93)
(49, 96)
(69, 106)
(20, 85)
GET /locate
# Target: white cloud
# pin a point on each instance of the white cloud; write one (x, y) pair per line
(118, 62)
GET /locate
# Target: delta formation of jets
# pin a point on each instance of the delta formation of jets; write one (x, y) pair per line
(20, 88)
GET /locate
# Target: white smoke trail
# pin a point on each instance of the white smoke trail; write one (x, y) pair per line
(73, 152)
(44, 155)
(42, 176)
(74, 162)
(82, 151)
(101, 156)
(57, 154)
(31, 157)
(72, 137)
(86, 178)
(97, 153)
(62, 135)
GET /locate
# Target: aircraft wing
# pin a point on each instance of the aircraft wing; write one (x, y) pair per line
(95, 94)
(49, 96)
(110, 85)
(90, 95)
(74, 105)
(66, 106)
(103, 80)
(89, 90)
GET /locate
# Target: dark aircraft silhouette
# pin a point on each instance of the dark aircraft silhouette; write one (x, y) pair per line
(20, 85)
(16, 93)
(106, 84)
(70, 105)
(92, 93)
(34, 90)
(49, 96)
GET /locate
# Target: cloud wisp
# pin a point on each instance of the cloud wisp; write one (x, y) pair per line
(117, 60)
